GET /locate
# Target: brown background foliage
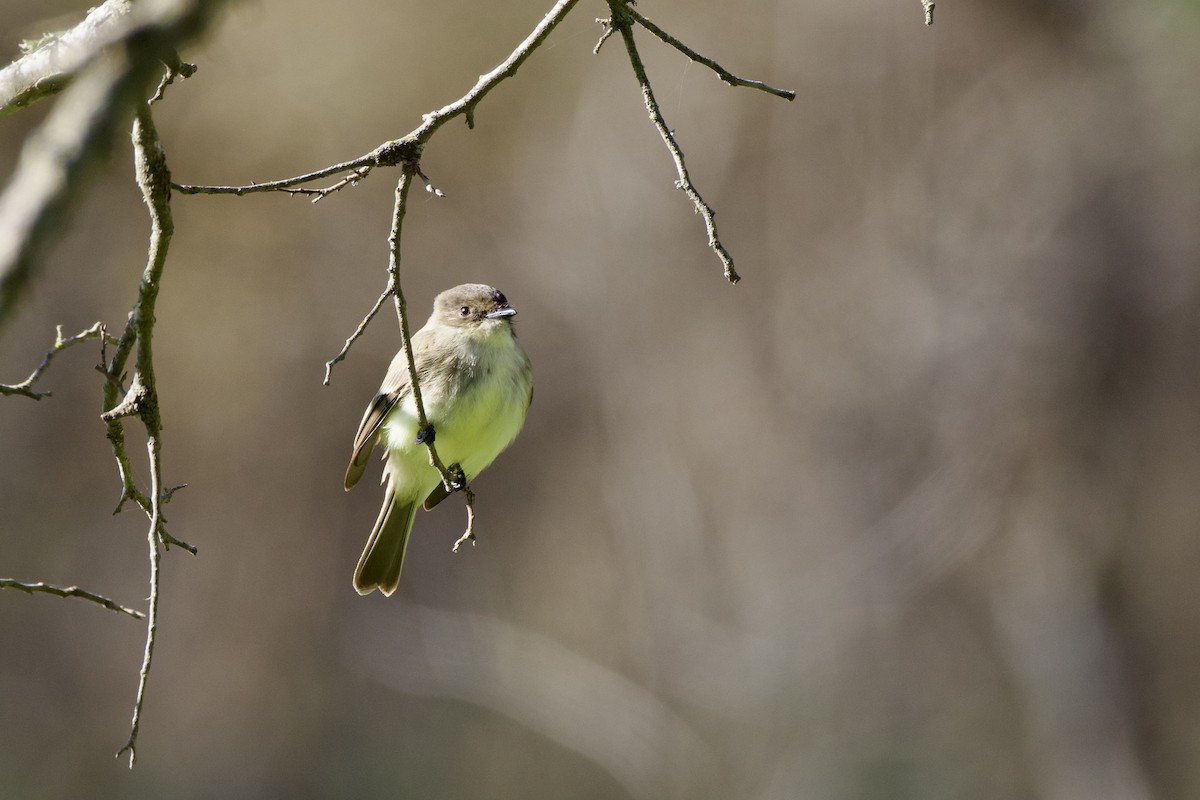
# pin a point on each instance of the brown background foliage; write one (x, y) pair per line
(911, 512)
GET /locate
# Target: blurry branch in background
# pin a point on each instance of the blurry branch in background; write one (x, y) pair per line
(25, 387)
(115, 68)
(69, 591)
(49, 64)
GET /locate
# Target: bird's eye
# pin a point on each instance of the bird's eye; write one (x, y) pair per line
(465, 311)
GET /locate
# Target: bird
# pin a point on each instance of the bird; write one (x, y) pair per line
(476, 385)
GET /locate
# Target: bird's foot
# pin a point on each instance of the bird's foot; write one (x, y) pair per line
(457, 479)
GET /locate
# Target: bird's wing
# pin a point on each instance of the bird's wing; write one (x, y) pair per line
(394, 389)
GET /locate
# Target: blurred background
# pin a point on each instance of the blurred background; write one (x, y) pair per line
(911, 512)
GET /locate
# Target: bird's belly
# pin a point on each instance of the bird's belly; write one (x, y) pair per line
(475, 433)
(471, 430)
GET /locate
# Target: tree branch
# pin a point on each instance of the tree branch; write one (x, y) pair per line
(69, 591)
(622, 20)
(359, 331)
(724, 74)
(79, 130)
(49, 68)
(407, 152)
(453, 479)
(378, 157)
(25, 387)
(408, 149)
(154, 179)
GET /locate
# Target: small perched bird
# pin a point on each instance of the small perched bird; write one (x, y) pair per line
(476, 384)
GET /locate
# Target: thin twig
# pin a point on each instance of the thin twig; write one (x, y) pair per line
(608, 31)
(623, 23)
(362, 327)
(175, 68)
(397, 291)
(429, 187)
(453, 478)
(408, 150)
(724, 74)
(469, 533)
(69, 591)
(25, 387)
(406, 153)
(375, 158)
(153, 448)
(318, 195)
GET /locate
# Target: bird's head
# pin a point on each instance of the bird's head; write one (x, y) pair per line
(473, 305)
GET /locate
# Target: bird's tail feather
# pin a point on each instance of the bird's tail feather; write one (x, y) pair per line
(381, 560)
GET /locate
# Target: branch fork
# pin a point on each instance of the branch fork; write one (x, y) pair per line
(135, 401)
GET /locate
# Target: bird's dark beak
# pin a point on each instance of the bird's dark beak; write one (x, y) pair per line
(505, 311)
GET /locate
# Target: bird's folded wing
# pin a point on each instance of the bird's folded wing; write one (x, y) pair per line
(368, 434)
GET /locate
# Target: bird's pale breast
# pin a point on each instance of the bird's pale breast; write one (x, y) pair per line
(476, 414)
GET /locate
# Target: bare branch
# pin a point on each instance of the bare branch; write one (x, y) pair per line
(722, 73)
(429, 187)
(469, 533)
(622, 21)
(175, 68)
(408, 150)
(375, 158)
(352, 179)
(465, 105)
(141, 400)
(153, 447)
(453, 478)
(69, 591)
(928, 5)
(48, 69)
(25, 387)
(78, 132)
(362, 327)
(397, 291)
(405, 152)
(608, 31)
